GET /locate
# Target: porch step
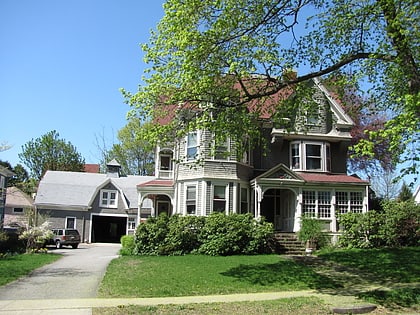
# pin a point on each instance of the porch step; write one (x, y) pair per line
(288, 244)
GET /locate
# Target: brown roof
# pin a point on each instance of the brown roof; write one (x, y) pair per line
(331, 178)
(15, 198)
(157, 182)
(91, 168)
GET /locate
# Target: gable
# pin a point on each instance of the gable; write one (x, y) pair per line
(279, 172)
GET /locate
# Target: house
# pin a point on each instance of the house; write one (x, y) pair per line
(18, 209)
(102, 207)
(302, 172)
(4, 175)
(416, 195)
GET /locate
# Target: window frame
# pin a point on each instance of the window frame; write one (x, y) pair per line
(188, 146)
(243, 202)
(108, 203)
(219, 200)
(221, 150)
(74, 222)
(300, 160)
(191, 202)
(321, 208)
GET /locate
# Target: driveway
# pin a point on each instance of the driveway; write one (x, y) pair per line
(76, 275)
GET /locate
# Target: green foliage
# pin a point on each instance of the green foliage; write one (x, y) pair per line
(397, 225)
(310, 231)
(218, 234)
(36, 237)
(133, 152)
(200, 50)
(403, 297)
(127, 245)
(405, 193)
(234, 234)
(50, 153)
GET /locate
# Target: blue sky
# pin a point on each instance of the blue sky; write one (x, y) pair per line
(62, 64)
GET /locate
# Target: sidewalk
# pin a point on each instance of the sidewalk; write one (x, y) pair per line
(84, 306)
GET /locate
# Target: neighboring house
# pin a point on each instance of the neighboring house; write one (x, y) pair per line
(19, 206)
(302, 172)
(4, 175)
(102, 207)
(416, 195)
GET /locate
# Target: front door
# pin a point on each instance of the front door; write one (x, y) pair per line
(163, 206)
(278, 206)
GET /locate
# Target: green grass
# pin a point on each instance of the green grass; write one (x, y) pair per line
(14, 267)
(293, 306)
(387, 265)
(152, 276)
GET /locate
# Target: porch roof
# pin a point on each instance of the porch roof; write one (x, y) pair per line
(158, 183)
(331, 178)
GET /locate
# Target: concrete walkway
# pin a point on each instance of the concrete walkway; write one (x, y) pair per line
(84, 306)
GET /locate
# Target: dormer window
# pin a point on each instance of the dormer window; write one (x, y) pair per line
(310, 156)
(108, 198)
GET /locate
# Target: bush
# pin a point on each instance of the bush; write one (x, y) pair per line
(234, 234)
(36, 237)
(310, 232)
(218, 234)
(128, 245)
(397, 225)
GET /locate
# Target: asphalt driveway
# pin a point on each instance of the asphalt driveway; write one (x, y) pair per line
(76, 275)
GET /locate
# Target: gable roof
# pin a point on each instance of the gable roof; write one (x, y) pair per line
(77, 190)
(16, 198)
(331, 178)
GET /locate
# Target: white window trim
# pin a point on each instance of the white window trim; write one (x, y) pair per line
(108, 205)
(325, 161)
(130, 222)
(226, 185)
(74, 225)
(197, 146)
(247, 199)
(317, 204)
(187, 185)
(227, 144)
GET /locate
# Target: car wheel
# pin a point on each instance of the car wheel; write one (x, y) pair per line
(74, 246)
(58, 244)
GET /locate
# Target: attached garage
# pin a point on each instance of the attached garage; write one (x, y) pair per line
(108, 229)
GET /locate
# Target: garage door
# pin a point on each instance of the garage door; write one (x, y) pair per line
(107, 229)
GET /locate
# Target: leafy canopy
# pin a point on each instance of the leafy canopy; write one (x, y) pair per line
(201, 49)
(49, 152)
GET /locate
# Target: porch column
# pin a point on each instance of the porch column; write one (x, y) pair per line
(298, 216)
(333, 217)
(258, 198)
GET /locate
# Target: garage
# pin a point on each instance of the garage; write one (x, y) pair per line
(108, 229)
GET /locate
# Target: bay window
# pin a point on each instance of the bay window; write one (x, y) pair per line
(310, 156)
(191, 199)
(219, 198)
(192, 145)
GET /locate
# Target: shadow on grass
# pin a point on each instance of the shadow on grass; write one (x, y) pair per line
(403, 297)
(287, 274)
(389, 265)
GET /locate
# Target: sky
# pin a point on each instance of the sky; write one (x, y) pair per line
(62, 64)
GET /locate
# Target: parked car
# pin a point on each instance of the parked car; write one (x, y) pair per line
(64, 237)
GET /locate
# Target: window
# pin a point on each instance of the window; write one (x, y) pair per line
(192, 145)
(324, 204)
(317, 204)
(221, 149)
(17, 210)
(244, 200)
(108, 198)
(165, 162)
(70, 222)
(309, 203)
(131, 223)
(349, 201)
(310, 156)
(191, 199)
(219, 198)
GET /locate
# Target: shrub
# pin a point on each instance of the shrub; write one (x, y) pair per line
(402, 223)
(234, 234)
(36, 237)
(150, 235)
(128, 245)
(310, 231)
(397, 225)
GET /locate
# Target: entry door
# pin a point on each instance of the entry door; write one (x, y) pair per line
(163, 206)
(286, 218)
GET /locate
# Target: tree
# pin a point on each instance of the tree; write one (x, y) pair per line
(405, 193)
(50, 153)
(134, 152)
(202, 49)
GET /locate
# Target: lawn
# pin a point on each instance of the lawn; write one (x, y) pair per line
(16, 266)
(152, 276)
